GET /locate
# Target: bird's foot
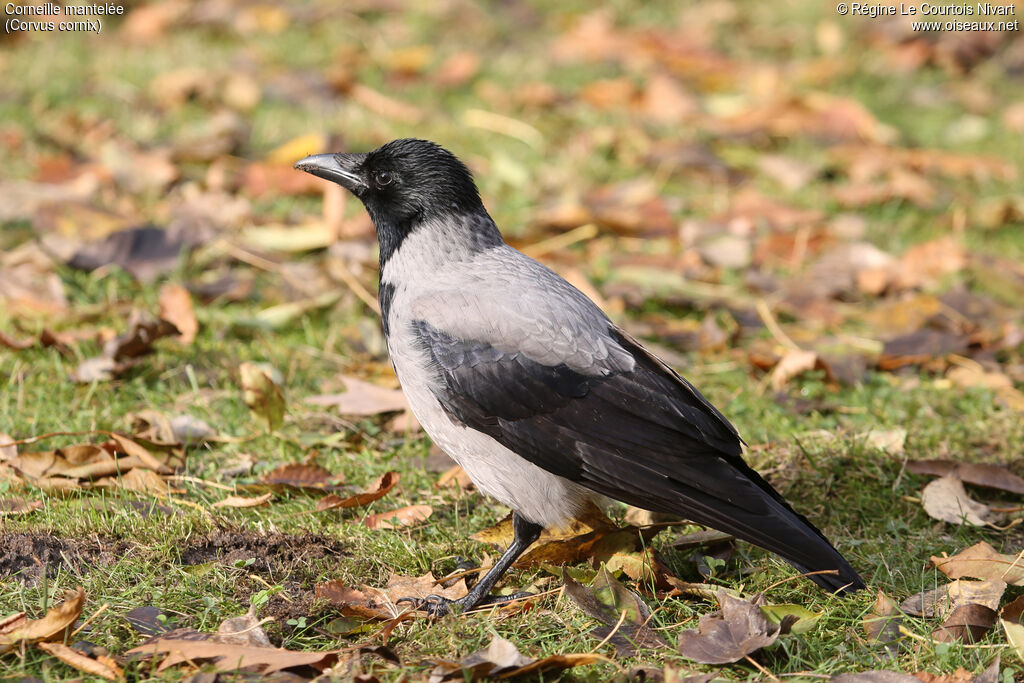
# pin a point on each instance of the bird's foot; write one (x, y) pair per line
(438, 606)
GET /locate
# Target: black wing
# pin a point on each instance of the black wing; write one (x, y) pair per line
(646, 437)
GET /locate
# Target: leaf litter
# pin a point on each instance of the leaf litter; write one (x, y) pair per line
(117, 200)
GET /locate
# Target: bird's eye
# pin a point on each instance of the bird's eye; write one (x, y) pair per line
(382, 178)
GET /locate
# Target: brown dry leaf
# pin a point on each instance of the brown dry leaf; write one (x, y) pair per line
(457, 70)
(73, 461)
(188, 646)
(363, 398)
(982, 561)
(921, 347)
(882, 624)
(968, 623)
(160, 430)
(13, 505)
(631, 208)
(243, 630)
(591, 537)
(368, 602)
(139, 480)
(143, 330)
(422, 586)
(104, 667)
(924, 264)
(455, 476)
(176, 308)
(945, 499)
(665, 100)
(377, 490)
(501, 660)
(938, 602)
(135, 450)
(796, 362)
(298, 147)
(50, 627)
(971, 374)
(305, 477)
(8, 449)
(388, 107)
(1012, 619)
(874, 676)
(739, 629)
(262, 395)
(643, 566)
(978, 474)
(961, 675)
(119, 352)
(262, 179)
(605, 600)
(406, 516)
(244, 502)
(28, 284)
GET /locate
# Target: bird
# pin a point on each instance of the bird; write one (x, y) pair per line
(546, 404)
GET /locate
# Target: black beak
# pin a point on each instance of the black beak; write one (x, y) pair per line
(338, 168)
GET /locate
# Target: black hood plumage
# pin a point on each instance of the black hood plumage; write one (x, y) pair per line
(403, 184)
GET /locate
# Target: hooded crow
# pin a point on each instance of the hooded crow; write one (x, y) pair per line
(525, 382)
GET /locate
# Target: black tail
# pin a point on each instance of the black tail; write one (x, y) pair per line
(758, 514)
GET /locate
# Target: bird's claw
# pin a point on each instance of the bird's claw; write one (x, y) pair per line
(438, 606)
(434, 605)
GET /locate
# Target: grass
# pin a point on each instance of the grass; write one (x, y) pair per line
(862, 498)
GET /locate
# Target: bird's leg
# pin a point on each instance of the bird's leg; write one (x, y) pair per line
(525, 533)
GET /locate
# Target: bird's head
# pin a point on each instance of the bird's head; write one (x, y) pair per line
(401, 183)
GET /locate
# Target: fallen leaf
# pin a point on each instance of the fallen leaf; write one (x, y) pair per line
(176, 308)
(1012, 619)
(104, 666)
(739, 629)
(298, 147)
(363, 398)
(890, 441)
(938, 602)
(458, 69)
(50, 627)
(262, 395)
(882, 624)
(243, 630)
(13, 505)
(605, 600)
(455, 476)
(796, 362)
(243, 502)
(368, 602)
(146, 252)
(972, 374)
(377, 490)
(186, 646)
(981, 561)
(979, 474)
(290, 239)
(968, 623)
(945, 499)
(501, 660)
(874, 676)
(406, 516)
(921, 347)
(924, 264)
(591, 536)
(304, 477)
(139, 480)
